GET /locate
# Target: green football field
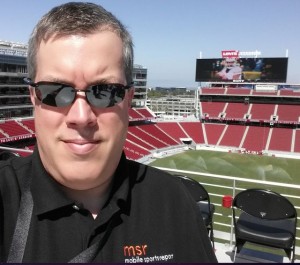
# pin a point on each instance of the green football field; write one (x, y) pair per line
(258, 167)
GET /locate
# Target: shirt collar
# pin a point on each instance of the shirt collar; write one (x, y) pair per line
(46, 192)
(48, 196)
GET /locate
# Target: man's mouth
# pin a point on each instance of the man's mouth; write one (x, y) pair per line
(81, 146)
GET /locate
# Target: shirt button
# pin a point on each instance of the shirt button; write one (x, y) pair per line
(75, 207)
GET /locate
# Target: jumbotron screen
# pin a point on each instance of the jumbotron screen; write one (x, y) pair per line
(265, 70)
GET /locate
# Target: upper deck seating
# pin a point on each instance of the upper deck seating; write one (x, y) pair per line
(213, 109)
(213, 90)
(238, 91)
(262, 111)
(264, 93)
(288, 112)
(289, 92)
(236, 110)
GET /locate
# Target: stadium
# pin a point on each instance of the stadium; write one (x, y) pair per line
(236, 133)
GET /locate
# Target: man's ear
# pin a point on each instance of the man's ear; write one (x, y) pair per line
(32, 95)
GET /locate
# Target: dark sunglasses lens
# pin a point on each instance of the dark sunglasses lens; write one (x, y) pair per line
(106, 95)
(55, 95)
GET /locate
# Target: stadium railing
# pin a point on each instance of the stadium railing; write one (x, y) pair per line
(221, 186)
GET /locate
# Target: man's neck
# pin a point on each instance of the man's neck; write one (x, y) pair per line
(92, 199)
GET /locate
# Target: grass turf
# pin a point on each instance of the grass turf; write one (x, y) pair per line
(258, 167)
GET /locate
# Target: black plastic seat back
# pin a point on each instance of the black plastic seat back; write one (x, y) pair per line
(201, 196)
(264, 217)
(197, 191)
(264, 204)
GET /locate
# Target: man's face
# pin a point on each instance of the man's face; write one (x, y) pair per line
(230, 63)
(80, 145)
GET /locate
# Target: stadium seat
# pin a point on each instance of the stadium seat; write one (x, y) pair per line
(201, 196)
(265, 218)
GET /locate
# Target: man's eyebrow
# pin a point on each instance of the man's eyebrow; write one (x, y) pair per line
(101, 81)
(54, 79)
(108, 80)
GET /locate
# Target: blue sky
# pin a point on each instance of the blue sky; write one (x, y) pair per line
(170, 34)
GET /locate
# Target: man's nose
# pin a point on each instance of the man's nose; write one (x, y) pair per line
(80, 112)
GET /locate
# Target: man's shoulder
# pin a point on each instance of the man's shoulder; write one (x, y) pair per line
(15, 165)
(150, 174)
(156, 181)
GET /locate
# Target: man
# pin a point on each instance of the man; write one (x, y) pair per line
(77, 198)
(231, 70)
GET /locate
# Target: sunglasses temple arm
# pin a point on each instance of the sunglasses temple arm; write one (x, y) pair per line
(28, 81)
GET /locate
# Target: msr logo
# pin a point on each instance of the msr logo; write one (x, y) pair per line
(138, 254)
(138, 250)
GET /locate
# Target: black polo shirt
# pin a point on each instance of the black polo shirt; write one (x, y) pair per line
(149, 217)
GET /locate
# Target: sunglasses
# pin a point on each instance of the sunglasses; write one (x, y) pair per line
(61, 95)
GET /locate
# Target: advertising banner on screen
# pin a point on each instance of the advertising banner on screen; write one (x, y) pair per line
(232, 69)
(230, 54)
